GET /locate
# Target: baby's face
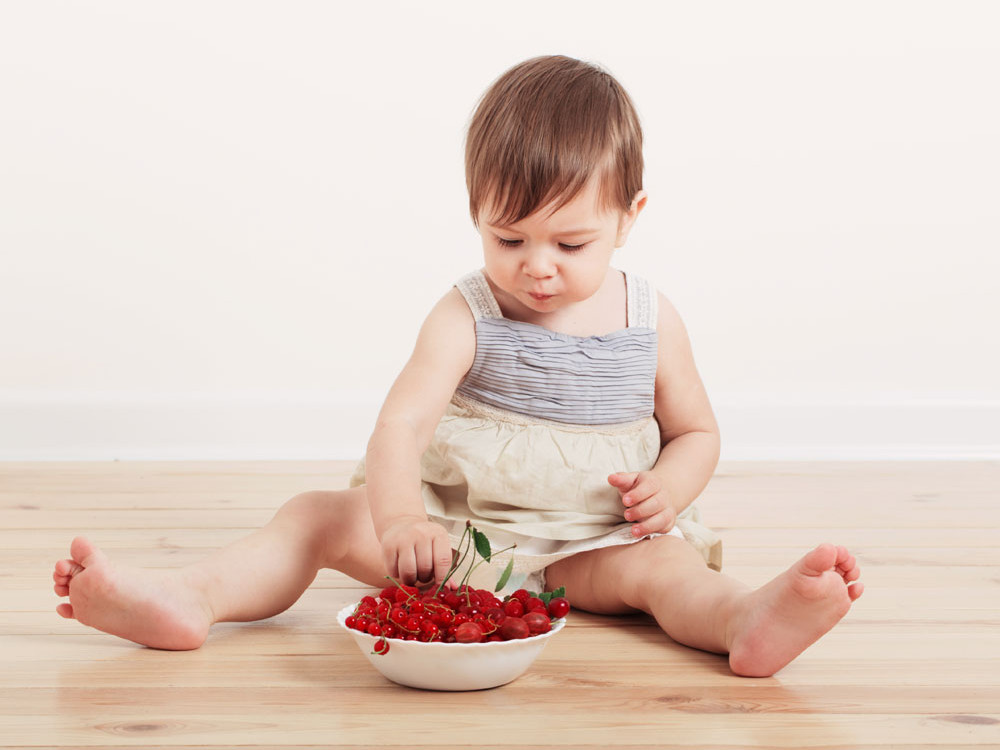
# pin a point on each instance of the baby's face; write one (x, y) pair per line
(547, 263)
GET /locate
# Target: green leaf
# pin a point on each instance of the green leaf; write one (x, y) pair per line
(561, 591)
(505, 576)
(545, 596)
(482, 544)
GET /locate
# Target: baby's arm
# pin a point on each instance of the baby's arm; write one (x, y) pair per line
(689, 435)
(413, 547)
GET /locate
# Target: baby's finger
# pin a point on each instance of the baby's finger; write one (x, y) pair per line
(425, 560)
(406, 564)
(442, 557)
(645, 487)
(645, 509)
(623, 480)
(658, 523)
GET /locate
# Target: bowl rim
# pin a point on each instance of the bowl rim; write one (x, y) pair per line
(342, 615)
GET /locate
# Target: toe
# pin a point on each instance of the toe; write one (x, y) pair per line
(820, 560)
(65, 610)
(84, 552)
(855, 590)
(61, 589)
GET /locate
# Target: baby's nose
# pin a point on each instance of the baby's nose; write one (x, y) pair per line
(539, 265)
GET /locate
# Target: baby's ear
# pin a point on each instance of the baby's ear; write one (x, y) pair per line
(627, 219)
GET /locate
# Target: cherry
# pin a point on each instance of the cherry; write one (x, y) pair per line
(514, 628)
(558, 607)
(538, 622)
(534, 602)
(468, 632)
(381, 646)
(513, 608)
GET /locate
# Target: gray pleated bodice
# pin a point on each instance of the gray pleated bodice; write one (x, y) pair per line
(585, 380)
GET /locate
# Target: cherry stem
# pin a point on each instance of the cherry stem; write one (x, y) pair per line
(468, 599)
(456, 565)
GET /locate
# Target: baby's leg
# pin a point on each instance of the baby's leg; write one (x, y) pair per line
(251, 579)
(762, 630)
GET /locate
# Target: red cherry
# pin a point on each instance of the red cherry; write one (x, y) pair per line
(534, 603)
(495, 614)
(381, 646)
(468, 632)
(558, 607)
(538, 622)
(513, 607)
(514, 628)
(521, 595)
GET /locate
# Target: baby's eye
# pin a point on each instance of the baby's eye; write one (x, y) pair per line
(508, 243)
(572, 248)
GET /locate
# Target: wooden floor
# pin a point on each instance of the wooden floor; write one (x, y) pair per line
(915, 664)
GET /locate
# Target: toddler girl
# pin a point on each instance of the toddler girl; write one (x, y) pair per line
(550, 398)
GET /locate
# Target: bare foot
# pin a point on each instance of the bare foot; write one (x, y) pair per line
(151, 607)
(782, 618)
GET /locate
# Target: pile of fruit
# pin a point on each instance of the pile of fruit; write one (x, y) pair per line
(460, 615)
(463, 615)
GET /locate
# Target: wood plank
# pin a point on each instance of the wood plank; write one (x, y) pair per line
(596, 726)
(801, 540)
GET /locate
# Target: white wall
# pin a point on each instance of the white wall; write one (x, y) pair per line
(221, 223)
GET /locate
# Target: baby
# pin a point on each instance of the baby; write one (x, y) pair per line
(550, 399)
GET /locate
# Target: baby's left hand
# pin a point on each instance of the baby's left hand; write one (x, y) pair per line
(646, 502)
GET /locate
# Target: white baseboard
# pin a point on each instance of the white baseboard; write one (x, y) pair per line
(320, 426)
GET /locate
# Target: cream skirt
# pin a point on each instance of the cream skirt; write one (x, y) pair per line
(540, 484)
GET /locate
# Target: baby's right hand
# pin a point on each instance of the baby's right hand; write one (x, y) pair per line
(416, 549)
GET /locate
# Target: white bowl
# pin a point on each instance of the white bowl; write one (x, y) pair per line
(451, 666)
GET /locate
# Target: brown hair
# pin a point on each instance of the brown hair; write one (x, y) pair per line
(542, 129)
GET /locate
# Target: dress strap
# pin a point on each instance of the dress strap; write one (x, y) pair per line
(479, 296)
(642, 302)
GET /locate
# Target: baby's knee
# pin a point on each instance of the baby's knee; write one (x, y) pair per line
(313, 510)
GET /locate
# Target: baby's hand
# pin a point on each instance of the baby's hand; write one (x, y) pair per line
(646, 502)
(416, 550)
